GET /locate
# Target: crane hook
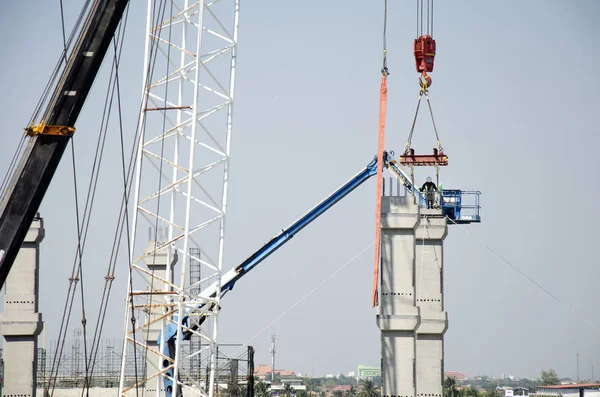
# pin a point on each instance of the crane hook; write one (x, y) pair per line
(425, 81)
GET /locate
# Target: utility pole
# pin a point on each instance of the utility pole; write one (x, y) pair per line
(273, 337)
(577, 366)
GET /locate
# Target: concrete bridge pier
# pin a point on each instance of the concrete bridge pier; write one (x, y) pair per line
(21, 323)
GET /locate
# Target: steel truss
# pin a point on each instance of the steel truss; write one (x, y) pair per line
(182, 176)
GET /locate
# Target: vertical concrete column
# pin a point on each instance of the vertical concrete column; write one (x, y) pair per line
(21, 323)
(430, 237)
(157, 264)
(398, 316)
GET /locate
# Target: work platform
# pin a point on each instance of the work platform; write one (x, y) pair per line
(460, 206)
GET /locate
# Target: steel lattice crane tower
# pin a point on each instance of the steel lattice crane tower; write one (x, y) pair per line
(181, 186)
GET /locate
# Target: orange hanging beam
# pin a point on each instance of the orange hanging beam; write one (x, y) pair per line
(380, 144)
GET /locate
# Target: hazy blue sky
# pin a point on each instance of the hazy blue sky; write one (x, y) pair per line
(515, 99)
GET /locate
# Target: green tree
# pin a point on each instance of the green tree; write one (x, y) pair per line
(288, 390)
(368, 389)
(301, 393)
(450, 387)
(242, 391)
(351, 393)
(330, 383)
(490, 393)
(262, 390)
(469, 392)
(338, 393)
(549, 378)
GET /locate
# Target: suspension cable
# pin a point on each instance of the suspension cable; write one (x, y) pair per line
(437, 137)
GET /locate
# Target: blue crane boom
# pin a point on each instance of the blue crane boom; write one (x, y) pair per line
(228, 280)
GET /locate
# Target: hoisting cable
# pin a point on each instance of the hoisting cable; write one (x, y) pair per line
(78, 221)
(380, 145)
(437, 136)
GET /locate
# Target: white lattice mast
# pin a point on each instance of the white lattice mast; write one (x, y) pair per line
(181, 192)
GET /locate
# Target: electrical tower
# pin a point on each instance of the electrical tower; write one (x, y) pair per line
(181, 180)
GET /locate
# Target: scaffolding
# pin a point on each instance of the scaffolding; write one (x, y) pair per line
(234, 374)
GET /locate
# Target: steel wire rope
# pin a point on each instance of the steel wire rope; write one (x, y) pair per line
(522, 273)
(110, 275)
(437, 136)
(79, 226)
(385, 10)
(310, 292)
(122, 220)
(80, 263)
(81, 245)
(118, 46)
(412, 128)
(71, 279)
(427, 17)
(432, 18)
(60, 61)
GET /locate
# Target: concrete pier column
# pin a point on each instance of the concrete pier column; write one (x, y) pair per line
(398, 315)
(429, 241)
(157, 264)
(21, 323)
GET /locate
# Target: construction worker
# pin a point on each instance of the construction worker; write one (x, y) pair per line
(429, 188)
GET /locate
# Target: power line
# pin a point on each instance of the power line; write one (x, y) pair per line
(522, 273)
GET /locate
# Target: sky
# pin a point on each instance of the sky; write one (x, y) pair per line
(515, 99)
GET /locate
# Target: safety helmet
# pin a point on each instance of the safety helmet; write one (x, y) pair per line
(428, 179)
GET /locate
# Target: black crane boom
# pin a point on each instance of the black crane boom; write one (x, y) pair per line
(49, 139)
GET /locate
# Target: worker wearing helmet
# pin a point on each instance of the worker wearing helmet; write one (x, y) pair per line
(429, 188)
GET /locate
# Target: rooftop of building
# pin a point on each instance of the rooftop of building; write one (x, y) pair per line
(572, 386)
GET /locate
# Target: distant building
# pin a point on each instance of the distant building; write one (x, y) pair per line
(455, 374)
(263, 372)
(365, 372)
(516, 391)
(351, 374)
(569, 390)
(567, 381)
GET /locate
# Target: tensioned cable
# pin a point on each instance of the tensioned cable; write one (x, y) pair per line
(303, 298)
(55, 73)
(80, 263)
(82, 236)
(384, 68)
(522, 273)
(110, 275)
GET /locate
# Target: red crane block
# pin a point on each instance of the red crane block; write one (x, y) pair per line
(439, 159)
(424, 53)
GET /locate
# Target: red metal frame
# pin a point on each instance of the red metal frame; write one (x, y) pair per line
(439, 159)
